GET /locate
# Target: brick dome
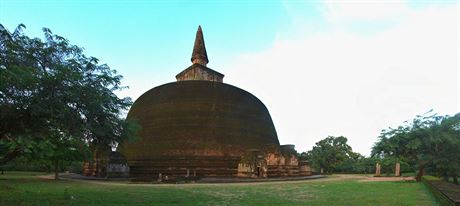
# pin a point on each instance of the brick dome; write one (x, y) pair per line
(196, 124)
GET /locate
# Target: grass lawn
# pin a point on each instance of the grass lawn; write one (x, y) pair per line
(19, 188)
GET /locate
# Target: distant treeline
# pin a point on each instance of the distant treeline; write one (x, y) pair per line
(430, 143)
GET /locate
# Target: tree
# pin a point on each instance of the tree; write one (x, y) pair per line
(429, 139)
(53, 96)
(447, 160)
(329, 153)
(364, 165)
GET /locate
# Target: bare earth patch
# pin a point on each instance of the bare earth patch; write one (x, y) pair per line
(335, 177)
(388, 179)
(371, 178)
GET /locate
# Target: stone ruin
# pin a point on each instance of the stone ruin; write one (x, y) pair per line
(280, 162)
(111, 165)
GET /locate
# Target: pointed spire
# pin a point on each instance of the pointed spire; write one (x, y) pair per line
(199, 54)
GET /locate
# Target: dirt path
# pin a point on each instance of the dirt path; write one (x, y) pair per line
(337, 177)
(386, 179)
(371, 178)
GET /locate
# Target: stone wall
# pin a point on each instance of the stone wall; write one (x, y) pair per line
(196, 73)
(275, 165)
(117, 170)
(279, 166)
(176, 166)
(284, 163)
(109, 164)
(305, 170)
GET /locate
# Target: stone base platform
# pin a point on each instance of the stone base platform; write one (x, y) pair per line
(195, 180)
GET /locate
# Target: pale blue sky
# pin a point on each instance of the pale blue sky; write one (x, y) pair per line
(350, 67)
(141, 36)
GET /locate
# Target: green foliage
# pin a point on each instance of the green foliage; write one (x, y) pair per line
(429, 177)
(54, 100)
(331, 154)
(334, 155)
(429, 140)
(360, 165)
(25, 163)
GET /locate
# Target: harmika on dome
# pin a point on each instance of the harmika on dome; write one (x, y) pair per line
(200, 126)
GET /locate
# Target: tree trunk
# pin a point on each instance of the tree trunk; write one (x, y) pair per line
(56, 169)
(97, 164)
(445, 177)
(421, 171)
(48, 168)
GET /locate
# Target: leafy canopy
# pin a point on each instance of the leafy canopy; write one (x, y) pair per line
(53, 98)
(329, 153)
(429, 140)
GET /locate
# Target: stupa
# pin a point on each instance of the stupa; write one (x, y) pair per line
(201, 126)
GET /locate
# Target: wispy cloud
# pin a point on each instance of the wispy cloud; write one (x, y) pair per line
(343, 80)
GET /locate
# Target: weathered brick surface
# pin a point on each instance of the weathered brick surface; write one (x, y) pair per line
(199, 72)
(186, 120)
